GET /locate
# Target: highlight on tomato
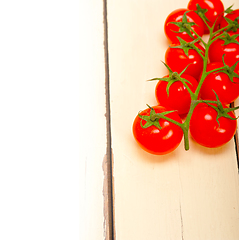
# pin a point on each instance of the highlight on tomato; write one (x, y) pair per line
(211, 126)
(156, 135)
(225, 83)
(174, 95)
(178, 24)
(178, 57)
(226, 45)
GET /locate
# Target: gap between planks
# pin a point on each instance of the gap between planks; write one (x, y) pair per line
(232, 105)
(108, 161)
(237, 147)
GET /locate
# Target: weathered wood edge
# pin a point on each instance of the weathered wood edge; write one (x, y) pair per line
(108, 161)
(236, 142)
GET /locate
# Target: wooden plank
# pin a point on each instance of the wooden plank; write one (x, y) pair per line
(183, 195)
(93, 122)
(53, 124)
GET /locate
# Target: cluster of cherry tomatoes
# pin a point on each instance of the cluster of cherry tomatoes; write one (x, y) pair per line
(202, 81)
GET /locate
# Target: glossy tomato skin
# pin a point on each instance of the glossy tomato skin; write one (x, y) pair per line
(205, 130)
(233, 15)
(176, 16)
(177, 60)
(220, 82)
(231, 50)
(215, 10)
(155, 141)
(179, 98)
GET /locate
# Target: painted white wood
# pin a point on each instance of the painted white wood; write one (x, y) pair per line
(183, 195)
(52, 124)
(93, 117)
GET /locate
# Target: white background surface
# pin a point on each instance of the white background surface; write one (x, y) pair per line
(49, 53)
(42, 179)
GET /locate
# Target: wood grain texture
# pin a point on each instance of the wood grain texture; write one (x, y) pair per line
(93, 118)
(183, 195)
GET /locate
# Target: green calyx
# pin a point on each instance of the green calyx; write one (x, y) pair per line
(229, 39)
(230, 71)
(184, 25)
(173, 77)
(201, 12)
(153, 118)
(232, 25)
(229, 10)
(221, 111)
(186, 46)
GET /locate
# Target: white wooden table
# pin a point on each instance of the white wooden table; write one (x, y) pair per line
(184, 195)
(73, 77)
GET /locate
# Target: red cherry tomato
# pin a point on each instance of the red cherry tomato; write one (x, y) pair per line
(219, 47)
(214, 11)
(154, 140)
(232, 16)
(205, 129)
(219, 82)
(172, 31)
(177, 60)
(179, 98)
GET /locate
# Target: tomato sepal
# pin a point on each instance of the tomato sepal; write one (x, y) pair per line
(232, 25)
(201, 12)
(186, 46)
(174, 77)
(229, 9)
(221, 111)
(153, 118)
(229, 70)
(184, 26)
(228, 38)
(226, 69)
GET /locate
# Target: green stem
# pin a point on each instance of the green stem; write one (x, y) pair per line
(219, 30)
(199, 52)
(182, 80)
(169, 119)
(201, 16)
(194, 96)
(204, 75)
(200, 38)
(186, 138)
(185, 125)
(212, 39)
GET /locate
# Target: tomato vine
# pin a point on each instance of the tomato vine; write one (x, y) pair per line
(222, 111)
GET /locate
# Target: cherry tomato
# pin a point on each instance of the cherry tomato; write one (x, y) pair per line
(177, 60)
(154, 140)
(231, 16)
(179, 98)
(214, 10)
(205, 129)
(173, 31)
(223, 46)
(219, 82)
